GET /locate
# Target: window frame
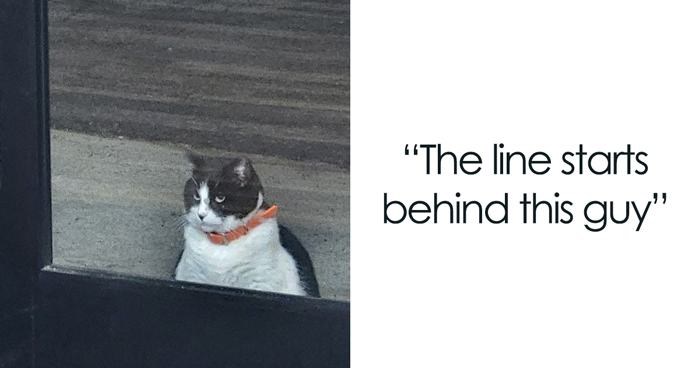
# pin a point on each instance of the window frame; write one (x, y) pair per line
(56, 316)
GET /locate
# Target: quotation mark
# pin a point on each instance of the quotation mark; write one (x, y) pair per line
(415, 150)
(663, 195)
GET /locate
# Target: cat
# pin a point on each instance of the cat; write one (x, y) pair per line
(232, 237)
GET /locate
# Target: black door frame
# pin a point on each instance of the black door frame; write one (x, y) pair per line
(52, 316)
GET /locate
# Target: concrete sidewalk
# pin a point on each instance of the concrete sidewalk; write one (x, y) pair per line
(116, 205)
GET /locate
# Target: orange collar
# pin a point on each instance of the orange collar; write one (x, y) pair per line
(236, 233)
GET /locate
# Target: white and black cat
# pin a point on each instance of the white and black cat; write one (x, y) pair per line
(232, 237)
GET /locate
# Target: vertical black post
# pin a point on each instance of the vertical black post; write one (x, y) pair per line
(24, 197)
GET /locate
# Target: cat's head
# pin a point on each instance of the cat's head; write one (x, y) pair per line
(222, 193)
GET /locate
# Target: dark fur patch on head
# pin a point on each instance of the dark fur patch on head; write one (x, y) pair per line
(234, 180)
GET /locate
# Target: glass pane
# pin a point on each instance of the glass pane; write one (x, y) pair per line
(135, 84)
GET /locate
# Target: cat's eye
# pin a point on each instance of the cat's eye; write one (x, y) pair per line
(219, 199)
(196, 197)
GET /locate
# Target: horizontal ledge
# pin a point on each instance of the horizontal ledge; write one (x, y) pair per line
(114, 282)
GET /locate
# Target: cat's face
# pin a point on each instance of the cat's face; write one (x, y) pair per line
(221, 193)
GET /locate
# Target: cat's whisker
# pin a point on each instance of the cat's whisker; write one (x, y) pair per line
(183, 222)
(179, 223)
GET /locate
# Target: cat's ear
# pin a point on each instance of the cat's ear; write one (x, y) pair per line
(196, 160)
(240, 170)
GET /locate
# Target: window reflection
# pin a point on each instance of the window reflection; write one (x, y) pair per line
(134, 84)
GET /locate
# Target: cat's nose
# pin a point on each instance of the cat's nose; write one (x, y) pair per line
(201, 217)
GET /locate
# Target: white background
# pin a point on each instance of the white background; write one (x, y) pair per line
(536, 76)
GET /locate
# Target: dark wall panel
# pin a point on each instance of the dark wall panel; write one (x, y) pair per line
(126, 322)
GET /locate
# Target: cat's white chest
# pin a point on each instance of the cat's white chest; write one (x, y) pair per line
(254, 261)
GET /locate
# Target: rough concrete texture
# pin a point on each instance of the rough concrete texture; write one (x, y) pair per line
(117, 202)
